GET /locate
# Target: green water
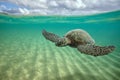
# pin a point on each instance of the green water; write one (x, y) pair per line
(26, 55)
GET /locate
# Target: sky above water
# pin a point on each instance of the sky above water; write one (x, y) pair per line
(58, 7)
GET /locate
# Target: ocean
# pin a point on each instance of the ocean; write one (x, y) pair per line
(26, 55)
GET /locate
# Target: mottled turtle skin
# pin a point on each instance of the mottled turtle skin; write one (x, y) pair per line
(79, 39)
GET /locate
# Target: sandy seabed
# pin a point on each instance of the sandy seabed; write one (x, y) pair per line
(28, 56)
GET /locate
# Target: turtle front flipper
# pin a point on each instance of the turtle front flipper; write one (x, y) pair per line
(50, 36)
(95, 50)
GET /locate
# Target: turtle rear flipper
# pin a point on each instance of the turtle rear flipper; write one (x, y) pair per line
(95, 50)
(50, 36)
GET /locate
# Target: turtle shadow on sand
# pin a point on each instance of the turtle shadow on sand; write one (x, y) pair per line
(79, 39)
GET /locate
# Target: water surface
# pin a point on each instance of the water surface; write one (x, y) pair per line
(26, 55)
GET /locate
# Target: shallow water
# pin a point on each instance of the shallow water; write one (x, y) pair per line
(26, 55)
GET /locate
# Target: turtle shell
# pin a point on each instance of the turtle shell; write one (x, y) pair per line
(79, 37)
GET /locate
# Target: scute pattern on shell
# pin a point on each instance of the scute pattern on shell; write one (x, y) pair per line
(79, 37)
(81, 40)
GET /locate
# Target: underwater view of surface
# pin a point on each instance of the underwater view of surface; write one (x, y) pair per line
(26, 55)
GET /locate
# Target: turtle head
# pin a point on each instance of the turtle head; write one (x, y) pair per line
(62, 42)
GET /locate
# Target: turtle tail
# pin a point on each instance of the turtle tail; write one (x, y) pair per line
(95, 50)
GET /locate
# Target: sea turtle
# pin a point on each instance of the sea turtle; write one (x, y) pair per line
(79, 39)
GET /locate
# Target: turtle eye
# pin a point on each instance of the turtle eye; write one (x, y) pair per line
(59, 43)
